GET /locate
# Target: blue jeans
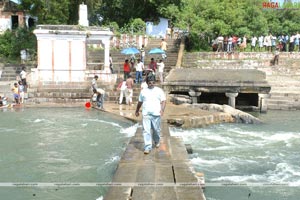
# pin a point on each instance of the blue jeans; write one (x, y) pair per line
(151, 122)
(100, 100)
(138, 77)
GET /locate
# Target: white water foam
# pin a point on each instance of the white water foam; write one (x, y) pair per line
(130, 131)
(94, 144)
(84, 125)
(112, 160)
(105, 122)
(38, 120)
(6, 130)
(100, 198)
(284, 173)
(240, 179)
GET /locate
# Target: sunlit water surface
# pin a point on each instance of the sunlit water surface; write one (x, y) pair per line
(57, 145)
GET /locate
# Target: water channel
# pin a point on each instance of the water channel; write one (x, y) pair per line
(263, 159)
(75, 145)
(59, 145)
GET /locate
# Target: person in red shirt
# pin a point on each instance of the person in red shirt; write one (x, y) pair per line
(151, 67)
(126, 68)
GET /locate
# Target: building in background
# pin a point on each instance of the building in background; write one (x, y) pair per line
(11, 17)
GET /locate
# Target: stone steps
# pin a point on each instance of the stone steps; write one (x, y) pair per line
(285, 93)
(56, 100)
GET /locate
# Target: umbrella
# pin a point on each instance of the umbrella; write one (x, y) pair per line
(156, 51)
(130, 50)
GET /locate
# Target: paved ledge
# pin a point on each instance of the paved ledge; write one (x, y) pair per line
(175, 115)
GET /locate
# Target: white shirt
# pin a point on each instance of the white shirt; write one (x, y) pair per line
(253, 41)
(161, 66)
(100, 91)
(152, 99)
(23, 74)
(139, 67)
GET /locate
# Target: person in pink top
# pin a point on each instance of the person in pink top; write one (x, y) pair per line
(129, 90)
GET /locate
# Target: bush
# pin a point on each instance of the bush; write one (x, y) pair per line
(13, 41)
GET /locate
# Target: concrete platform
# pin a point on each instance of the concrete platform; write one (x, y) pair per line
(165, 173)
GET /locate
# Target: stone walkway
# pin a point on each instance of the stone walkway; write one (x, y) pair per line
(165, 173)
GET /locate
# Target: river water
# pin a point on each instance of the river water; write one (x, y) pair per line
(244, 161)
(75, 145)
(59, 145)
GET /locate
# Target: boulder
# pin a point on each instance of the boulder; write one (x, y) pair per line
(239, 116)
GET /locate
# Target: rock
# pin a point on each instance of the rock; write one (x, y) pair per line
(180, 99)
(239, 116)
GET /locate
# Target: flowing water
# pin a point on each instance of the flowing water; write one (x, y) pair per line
(251, 162)
(75, 145)
(59, 145)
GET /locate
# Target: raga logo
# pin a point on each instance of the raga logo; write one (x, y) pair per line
(273, 5)
(281, 5)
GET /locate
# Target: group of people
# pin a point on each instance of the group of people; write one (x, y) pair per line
(126, 90)
(19, 88)
(268, 43)
(151, 99)
(154, 67)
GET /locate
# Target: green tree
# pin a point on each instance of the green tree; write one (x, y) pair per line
(48, 11)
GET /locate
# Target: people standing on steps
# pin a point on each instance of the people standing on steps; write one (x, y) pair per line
(122, 87)
(111, 64)
(126, 69)
(143, 53)
(139, 71)
(129, 90)
(153, 100)
(23, 75)
(164, 46)
(161, 66)
(151, 67)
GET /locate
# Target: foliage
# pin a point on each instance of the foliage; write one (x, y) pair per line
(204, 19)
(48, 11)
(6, 43)
(135, 26)
(12, 42)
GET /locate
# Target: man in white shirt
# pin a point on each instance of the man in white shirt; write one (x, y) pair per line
(161, 66)
(139, 71)
(153, 100)
(23, 75)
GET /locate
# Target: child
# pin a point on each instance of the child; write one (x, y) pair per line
(3, 101)
(16, 94)
(21, 92)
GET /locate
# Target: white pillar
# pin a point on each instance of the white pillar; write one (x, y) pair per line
(106, 43)
(194, 96)
(83, 15)
(262, 102)
(231, 100)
